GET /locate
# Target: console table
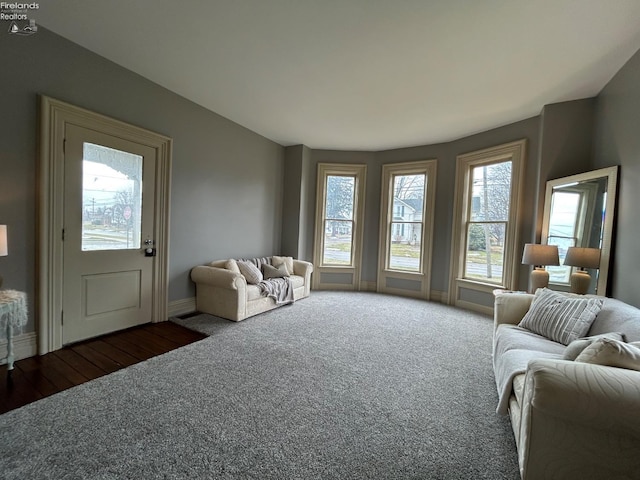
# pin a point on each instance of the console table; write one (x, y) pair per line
(13, 314)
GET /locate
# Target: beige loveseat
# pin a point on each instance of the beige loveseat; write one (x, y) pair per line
(571, 419)
(222, 290)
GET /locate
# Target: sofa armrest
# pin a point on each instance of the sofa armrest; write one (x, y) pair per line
(510, 308)
(302, 268)
(603, 397)
(217, 277)
(579, 421)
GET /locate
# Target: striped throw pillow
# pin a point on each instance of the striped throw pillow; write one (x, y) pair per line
(560, 317)
(251, 273)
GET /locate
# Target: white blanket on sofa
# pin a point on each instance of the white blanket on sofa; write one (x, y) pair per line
(513, 348)
(511, 364)
(280, 289)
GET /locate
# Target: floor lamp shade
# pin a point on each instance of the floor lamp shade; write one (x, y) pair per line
(581, 257)
(539, 256)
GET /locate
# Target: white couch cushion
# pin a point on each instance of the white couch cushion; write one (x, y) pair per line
(253, 293)
(512, 337)
(296, 281)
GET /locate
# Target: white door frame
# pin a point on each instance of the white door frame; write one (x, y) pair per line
(54, 116)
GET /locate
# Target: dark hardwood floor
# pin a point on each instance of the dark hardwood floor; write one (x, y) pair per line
(38, 377)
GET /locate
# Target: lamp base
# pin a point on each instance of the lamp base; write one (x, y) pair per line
(539, 279)
(580, 281)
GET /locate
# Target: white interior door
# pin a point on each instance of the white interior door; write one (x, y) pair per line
(108, 226)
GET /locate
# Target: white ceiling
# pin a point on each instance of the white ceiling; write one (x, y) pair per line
(361, 74)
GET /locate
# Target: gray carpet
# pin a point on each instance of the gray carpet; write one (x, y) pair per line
(336, 386)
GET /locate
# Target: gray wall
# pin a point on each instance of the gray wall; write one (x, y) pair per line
(226, 180)
(446, 155)
(617, 142)
(566, 144)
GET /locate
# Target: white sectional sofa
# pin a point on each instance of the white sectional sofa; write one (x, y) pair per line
(222, 290)
(572, 419)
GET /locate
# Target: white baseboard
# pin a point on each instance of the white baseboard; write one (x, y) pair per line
(180, 307)
(24, 346)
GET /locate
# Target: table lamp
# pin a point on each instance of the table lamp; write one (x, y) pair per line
(3, 245)
(539, 256)
(581, 257)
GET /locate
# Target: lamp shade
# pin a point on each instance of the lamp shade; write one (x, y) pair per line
(583, 257)
(3, 241)
(535, 254)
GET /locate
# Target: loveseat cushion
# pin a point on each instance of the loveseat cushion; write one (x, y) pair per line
(269, 271)
(518, 387)
(576, 347)
(297, 281)
(286, 261)
(611, 353)
(251, 273)
(512, 337)
(232, 266)
(253, 293)
(617, 316)
(559, 317)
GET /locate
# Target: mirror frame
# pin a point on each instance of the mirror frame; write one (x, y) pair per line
(611, 174)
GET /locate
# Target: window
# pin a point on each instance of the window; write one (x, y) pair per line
(487, 220)
(111, 199)
(339, 213)
(485, 234)
(337, 247)
(406, 227)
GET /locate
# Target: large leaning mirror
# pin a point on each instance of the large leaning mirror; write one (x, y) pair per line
(578, 212)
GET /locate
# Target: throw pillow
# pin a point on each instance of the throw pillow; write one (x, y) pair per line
(273, 272)
(286, 261)
(250, 272)
(611, 353)
(559, 317)
(576, 347)
(232, 265)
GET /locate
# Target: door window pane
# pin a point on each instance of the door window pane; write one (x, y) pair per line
(111, 199)
(485, 252)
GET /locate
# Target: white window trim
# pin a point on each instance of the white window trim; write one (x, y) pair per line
(516, 152)
(355, 269)
(429, 169)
